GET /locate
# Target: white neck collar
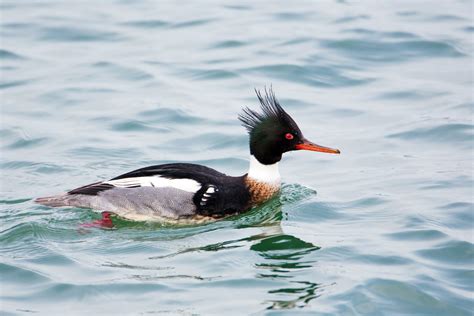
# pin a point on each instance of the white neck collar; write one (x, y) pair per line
(263, 173)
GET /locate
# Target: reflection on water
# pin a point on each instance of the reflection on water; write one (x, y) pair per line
(283, 255)
(304, 292)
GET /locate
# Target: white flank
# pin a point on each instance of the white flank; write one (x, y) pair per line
(188, 185)
(263, 173)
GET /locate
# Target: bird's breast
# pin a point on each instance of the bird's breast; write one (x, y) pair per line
(260, 191)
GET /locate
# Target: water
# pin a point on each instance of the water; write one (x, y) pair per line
(93, 89)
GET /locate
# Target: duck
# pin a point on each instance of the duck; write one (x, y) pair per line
(187, 191)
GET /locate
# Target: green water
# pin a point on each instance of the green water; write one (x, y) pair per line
(93, 89)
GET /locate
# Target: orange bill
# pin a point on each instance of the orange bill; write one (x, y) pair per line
(307, 145)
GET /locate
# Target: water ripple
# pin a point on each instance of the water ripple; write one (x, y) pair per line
(132, 125)
(385, 51)
(352, 18)
(13, 84)
(6, 54)
(32, 167)
(455, 132)
(171, 115)
(126, 73)
(409, 297)
(148, 24)
(411, 95)
(213, 74)
(229, 44)
(25, 143)
(420, 235)
(76, 34)
(459, 252)
(318, 76)
(17, 278)
(192, 23)
(87, 151)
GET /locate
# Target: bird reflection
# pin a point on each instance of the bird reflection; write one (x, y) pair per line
(281, 256)
(304, 291)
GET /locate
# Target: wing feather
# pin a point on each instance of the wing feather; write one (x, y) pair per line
(183, 176)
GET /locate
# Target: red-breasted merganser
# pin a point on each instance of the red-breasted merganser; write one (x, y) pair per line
(185, 191)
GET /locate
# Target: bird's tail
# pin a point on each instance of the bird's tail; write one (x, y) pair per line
(53, 201)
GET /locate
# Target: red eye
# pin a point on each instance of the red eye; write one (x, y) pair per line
(289, 136)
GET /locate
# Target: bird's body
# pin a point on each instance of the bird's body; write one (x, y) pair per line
(170, 191)
(186, 191)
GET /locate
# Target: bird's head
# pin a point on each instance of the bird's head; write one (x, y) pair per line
(273, 132)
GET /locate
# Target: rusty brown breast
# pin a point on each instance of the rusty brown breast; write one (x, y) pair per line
(260, 191)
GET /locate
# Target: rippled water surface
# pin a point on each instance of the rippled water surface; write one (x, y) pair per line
(92, 89)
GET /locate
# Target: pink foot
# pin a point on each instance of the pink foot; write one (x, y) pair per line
(104, 222)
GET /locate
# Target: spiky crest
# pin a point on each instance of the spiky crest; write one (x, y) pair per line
(271, 110)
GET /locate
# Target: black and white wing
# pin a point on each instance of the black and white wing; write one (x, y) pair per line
(182, 176)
